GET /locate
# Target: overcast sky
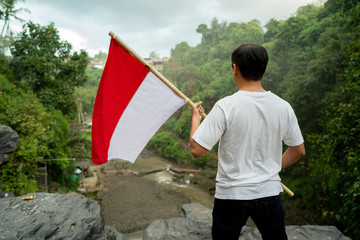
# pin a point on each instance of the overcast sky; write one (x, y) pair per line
(146, 26)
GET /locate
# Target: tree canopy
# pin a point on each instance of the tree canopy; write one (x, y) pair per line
(47, 65)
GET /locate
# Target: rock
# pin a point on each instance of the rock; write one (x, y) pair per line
(314, 232)
(195, 224)
(112, 234)
(9, 140)
(4, 194)
(53, 216)
(196, 211)
(178, 229)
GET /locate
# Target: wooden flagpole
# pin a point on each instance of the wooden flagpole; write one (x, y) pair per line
(168, 83)
(287, 190)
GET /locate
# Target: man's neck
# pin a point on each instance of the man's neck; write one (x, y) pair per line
(250, 85)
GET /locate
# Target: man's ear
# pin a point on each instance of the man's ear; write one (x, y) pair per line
(266, 69)
(235, 69)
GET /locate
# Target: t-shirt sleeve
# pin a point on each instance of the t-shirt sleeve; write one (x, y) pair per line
(211, 128)
(293, 136)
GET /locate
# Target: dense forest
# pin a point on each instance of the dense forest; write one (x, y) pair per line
(46, 90)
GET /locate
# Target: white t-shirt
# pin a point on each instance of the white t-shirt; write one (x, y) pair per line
(251, 127)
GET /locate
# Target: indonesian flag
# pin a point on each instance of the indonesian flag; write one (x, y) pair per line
(131, 105)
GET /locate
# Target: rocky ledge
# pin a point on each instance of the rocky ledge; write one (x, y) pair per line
(59, 216)
(53, 216)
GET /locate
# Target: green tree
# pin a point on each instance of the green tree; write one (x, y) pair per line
(45, 63)
(8, 11)
(272, 28)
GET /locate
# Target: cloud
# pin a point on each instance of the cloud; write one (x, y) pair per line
(77, 41)
(147, 26)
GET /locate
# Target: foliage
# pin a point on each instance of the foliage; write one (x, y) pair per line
(85, 95)
(14, 179)
(80, 141)
(46, 65)
(42, 134)
(7, 11)
(165, 144)
(336, 164)
(62, 172)
(183, 125)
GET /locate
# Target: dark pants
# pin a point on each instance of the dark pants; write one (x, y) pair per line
(229, 216)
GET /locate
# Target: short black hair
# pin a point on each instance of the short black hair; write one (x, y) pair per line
(251, 60)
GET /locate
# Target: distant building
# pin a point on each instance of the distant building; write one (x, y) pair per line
(96, 64)
(157, 63)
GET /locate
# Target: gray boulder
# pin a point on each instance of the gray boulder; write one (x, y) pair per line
(53, 216)
(196, 211)
(4, 194)
(178, 229)
(111, 234)
(9, 140)
(195, 224)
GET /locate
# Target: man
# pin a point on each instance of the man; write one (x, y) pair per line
(251, 125)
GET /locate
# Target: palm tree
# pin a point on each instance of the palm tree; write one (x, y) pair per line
(7, 11)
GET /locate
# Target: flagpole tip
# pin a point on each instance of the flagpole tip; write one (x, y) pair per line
(112, 34)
